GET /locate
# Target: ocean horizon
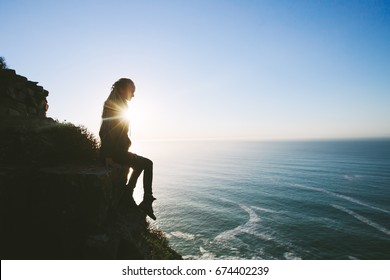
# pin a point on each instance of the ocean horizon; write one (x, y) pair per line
(321, 199)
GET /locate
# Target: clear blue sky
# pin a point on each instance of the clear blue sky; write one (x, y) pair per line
(210, 69)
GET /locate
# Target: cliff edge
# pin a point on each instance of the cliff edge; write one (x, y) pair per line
(56, 200)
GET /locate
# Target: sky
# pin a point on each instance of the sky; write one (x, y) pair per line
(234, 69)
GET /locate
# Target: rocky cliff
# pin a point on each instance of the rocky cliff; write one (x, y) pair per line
(56, 200)
(21, 97)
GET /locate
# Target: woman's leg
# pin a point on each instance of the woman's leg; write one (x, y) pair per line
(139, 164)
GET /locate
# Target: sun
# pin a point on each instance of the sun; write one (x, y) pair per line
(142, 116)
(126, 114)
(139, 119)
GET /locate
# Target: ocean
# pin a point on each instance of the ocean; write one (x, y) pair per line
(272, 200)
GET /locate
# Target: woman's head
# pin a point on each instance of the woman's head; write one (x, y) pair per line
(125, 88)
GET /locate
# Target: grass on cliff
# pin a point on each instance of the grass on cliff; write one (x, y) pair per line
(3, 64)
(159, 246)
(70, 143)
(47, 143)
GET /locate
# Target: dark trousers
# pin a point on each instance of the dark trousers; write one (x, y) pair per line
(138, 164)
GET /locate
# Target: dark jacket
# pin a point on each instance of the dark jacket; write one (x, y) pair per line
(114, 128)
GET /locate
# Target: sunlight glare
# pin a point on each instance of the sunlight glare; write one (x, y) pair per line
(139, 120)
(126, 114)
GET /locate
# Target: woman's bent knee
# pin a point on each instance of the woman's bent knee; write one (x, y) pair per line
(148, 163)
(145, 162)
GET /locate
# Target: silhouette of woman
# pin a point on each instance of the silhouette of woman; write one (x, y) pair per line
(115, 142)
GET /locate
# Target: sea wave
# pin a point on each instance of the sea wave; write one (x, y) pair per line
(182, 235)
(351, 199)
(250, 227)
(363, 219)
(264, 209)
(291, 256)
(352, 177)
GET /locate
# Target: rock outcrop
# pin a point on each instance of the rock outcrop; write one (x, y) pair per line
(56, 200)
(20, 97)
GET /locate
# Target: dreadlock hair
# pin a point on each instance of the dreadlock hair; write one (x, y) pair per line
(122, 82)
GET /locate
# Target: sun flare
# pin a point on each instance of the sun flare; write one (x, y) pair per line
(139, 120)
(126, 114)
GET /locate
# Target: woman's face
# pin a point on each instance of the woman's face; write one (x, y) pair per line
(127, 92)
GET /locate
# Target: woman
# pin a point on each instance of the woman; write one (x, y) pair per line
(115, 142)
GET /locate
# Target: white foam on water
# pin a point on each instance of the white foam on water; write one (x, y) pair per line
(183, 235)
(352, 177)
(351, 199)
(253, 217)
(291, 256)
(206, 255)
(226, 200)
(250, 227)
(190, 257)
(363, 219)
(264, 209)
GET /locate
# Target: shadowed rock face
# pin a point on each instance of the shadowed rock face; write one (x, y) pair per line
(20, 97)
(56, 200)
(68, 212)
